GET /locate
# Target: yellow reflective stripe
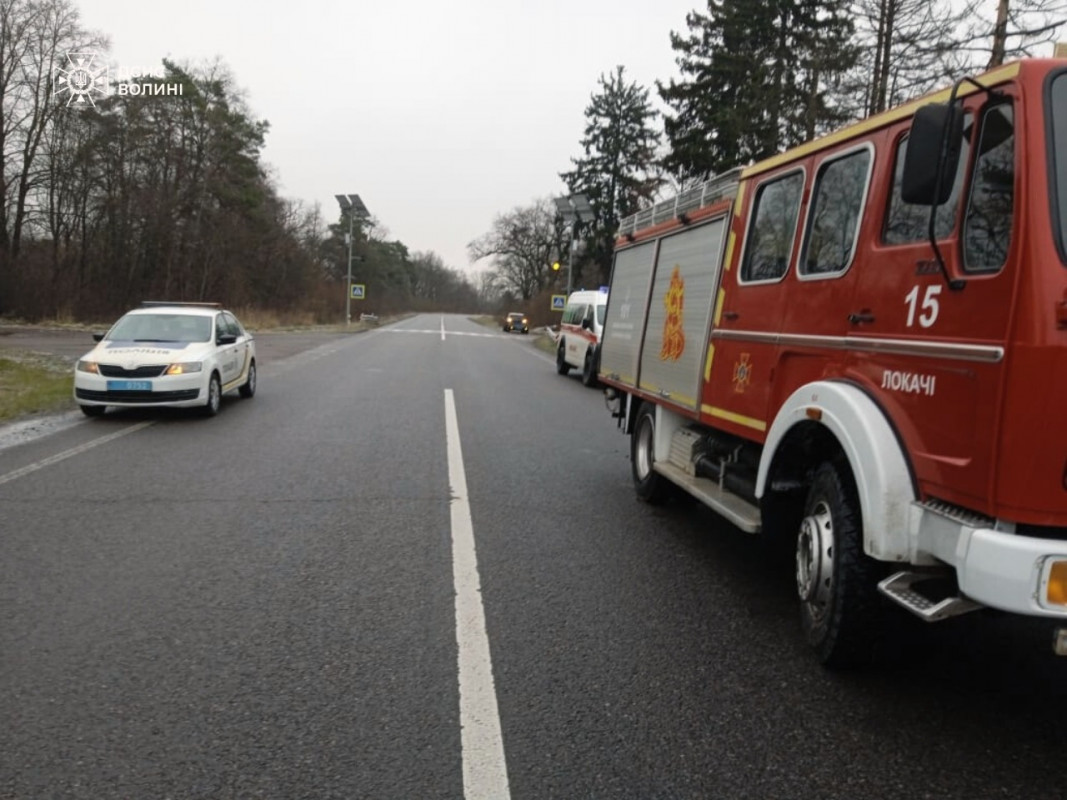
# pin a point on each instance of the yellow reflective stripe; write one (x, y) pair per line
(727, 259)
(730, 416)
(672, 397)
(718, 305)
(707, 364)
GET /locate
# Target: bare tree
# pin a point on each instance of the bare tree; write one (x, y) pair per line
(35, 39)
(1004, 30)
(521, 245)
(908, 48)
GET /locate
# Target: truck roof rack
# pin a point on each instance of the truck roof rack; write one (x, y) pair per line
(714, 190)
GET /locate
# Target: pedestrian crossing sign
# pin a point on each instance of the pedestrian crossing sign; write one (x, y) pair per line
(359, 291)
(558, 302)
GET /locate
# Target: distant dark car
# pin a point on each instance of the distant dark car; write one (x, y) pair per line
(516, 321)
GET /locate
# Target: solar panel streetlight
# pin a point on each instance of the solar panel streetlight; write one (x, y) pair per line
(575, 210)
(351, 207)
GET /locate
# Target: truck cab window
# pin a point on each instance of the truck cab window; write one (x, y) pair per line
(906, 222)
(987, 225)
(1058, 156)
(774, 224)
(835, 211)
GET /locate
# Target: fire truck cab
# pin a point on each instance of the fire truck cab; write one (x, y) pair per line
(858, 350)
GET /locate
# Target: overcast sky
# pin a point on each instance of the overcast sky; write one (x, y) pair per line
(440, 115)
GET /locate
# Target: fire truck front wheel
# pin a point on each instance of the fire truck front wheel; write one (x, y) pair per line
(650, 486)
(837, 582)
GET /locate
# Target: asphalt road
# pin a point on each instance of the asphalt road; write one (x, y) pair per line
(264, 604)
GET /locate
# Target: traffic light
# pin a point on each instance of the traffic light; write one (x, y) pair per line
(555, 266)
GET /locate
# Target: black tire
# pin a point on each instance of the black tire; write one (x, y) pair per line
(841, 612)
(526, 332)
(589, 370)
(650, 486)
(93, 411)
(562, 367)
(214, 397)
(248, 388)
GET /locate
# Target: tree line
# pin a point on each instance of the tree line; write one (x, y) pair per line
(161, 192)
(108, 200)
(756, 77)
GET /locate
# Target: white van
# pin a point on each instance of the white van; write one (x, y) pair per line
(578, 343)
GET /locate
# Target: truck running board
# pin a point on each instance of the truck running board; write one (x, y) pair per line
(899, 588)
(736, 509)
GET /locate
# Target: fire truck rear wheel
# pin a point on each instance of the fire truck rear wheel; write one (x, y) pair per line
(562, 367)
(650, 486)
(840, 607)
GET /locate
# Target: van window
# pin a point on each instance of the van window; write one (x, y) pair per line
(908, 222)
(987, 226)
(573, 315)
(601, 313)
(834, 215)
(774, 224)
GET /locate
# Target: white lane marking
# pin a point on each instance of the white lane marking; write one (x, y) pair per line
(442, 328)
(485, 773)
(47, 462)
(450, 333)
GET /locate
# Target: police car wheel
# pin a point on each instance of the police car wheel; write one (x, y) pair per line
(248, 388)
(214, 397)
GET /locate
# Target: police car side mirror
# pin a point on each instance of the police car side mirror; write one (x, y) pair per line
(587, 324)
(933, 126)
(226, 338)
(98, 337)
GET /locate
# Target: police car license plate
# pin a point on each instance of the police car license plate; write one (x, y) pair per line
(129, 386)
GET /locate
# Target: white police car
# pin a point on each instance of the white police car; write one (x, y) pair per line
(167, 354)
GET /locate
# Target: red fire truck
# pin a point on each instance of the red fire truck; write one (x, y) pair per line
(858, 350)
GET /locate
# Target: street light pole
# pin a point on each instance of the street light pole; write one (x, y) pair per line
(570, 266)
(348, 287)
(352, 207)
(574, 210)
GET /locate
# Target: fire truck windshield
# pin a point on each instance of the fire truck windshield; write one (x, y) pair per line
(1058, 113)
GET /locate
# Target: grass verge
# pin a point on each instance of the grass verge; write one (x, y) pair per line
(34, 383)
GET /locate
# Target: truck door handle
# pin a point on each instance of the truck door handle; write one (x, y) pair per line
(857, 318)
(730, 315)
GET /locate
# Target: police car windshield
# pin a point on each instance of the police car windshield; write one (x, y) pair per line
(162, 328)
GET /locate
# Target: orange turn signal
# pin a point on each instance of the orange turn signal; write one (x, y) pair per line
(1057, 584)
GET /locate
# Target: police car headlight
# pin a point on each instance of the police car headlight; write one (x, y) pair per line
(184, 368)
(88, 366)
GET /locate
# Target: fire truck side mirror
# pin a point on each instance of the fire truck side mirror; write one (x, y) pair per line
(933, 126)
